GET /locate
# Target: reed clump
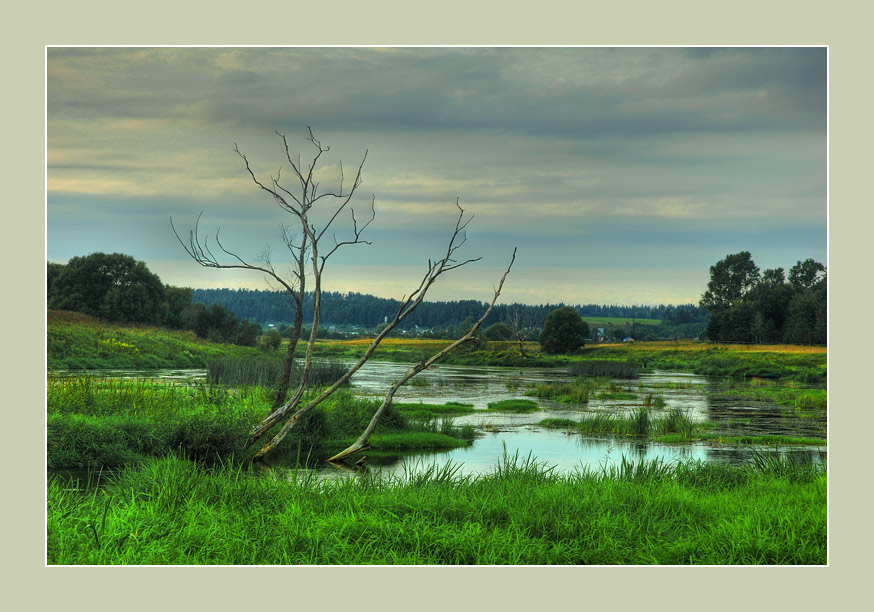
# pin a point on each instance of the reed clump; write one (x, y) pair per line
(265, 371)
(607, 368)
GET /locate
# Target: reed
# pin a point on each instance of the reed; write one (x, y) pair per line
(608, 368)
(265, 371)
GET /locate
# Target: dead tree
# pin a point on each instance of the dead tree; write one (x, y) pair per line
(294, 413)
(299, 201)
(198, 249)
(521, 325)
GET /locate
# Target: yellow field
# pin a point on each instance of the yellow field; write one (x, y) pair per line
(688, 345)
(684, 345)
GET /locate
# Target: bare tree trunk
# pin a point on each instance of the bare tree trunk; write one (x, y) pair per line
(285, 376)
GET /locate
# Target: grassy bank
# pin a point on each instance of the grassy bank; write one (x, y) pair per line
(171, 511)
(805, 364)
(94, 422)
(76, 341)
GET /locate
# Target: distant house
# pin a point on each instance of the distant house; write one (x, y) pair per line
(629, 339)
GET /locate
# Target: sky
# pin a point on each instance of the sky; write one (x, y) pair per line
(620, 175)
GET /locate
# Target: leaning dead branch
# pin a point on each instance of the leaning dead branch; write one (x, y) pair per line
(361, 443)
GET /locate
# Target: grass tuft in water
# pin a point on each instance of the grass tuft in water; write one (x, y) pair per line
(513, 405)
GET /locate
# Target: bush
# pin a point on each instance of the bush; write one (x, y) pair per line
(563, 332)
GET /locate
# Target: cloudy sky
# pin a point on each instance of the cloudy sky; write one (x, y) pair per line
(621, 174)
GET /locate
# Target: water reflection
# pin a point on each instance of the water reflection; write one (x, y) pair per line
(703, 399)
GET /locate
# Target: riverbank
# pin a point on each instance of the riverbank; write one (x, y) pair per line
(107, 423)
(79, 342)
(172, 511)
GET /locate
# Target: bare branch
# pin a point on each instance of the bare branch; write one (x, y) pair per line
(361, 443)
(435, 269)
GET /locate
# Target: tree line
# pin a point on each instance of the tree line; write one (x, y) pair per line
(369, 311)
(741, 304)
(116, 287)
(749, 305)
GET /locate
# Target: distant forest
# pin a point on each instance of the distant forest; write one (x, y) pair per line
(368, 311)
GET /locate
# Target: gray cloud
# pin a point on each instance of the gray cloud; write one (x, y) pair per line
(666, 155)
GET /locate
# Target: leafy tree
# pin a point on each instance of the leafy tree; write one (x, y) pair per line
(748, 307)
(178, 299)
(730, 280)
(564, 331)
(271, 340)
(53, 271)
(805, 275)
(114, 287)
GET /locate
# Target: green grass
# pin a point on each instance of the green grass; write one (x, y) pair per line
(769, 440)
(676, 425)
(174, 512)
(76, 341)
(577, 392)
(656, 401)
(555, 423)
(405, 441)
(803, 399)
(105, 422)
(617, 395)
(513, 405)
(430, 411)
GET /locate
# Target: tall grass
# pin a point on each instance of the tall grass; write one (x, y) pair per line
(265, 371)
(676, 423)
(609, 368)
(172, 511)
(576, 392)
